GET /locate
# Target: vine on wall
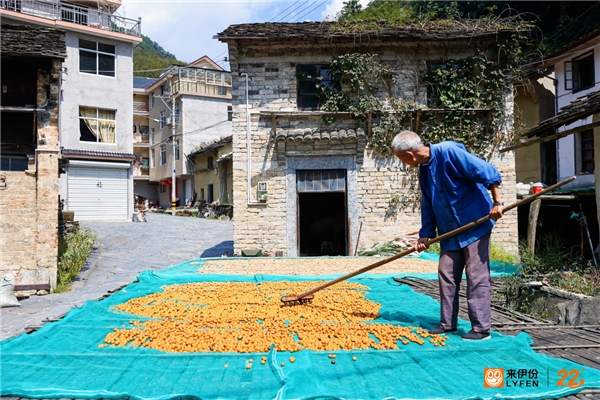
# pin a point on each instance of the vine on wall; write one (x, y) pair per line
(466, 98)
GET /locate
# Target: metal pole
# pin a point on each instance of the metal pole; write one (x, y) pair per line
(173, 132)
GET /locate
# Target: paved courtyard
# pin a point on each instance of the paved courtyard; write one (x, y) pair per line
(124, 250)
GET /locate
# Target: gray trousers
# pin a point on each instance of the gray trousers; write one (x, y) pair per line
(476, 258)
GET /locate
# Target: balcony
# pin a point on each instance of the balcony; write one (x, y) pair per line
(139, 138)
(140, 107)
(81, 15)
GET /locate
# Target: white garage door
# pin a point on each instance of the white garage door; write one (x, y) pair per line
(98, 191)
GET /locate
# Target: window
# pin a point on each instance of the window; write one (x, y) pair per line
(163, 154)
(229, 113)
(176, 149)
(587, 151)
(579, 72)
(201, 194)
(177, 112)
(96, 125)
(14, 163)
(152, 159)
(152, 136)
(163, 120)
(162, 90)
(152, 100)
(209, 163)
(96, 58)
(309, 76)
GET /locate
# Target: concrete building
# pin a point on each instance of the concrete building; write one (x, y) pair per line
(141, 140)
(189, 105)
(96, 113)
(32, 58)
(302, 187)
(213, 176)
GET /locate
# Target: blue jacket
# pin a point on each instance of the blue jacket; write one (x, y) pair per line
(454, 192)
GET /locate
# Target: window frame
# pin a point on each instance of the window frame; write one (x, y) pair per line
(210, 163)
(162, 121)
(177, 149)
(312, 83)
(586, 137)
(163, 154)
(152, 158)
(81, 118)
(573, 72)
(97, 56)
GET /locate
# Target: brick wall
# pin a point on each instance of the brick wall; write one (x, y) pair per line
(383, 194)
(29, 200)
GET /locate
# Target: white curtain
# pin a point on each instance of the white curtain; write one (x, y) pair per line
(100, 122)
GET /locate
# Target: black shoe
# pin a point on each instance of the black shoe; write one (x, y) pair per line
(473, 335)
(439, 330)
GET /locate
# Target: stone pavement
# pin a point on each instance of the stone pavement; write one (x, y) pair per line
(124, 250)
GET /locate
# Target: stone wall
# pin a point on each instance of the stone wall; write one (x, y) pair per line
(386, 194)
(29, 199)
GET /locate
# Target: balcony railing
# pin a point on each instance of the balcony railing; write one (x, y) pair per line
(140, 106)
(80, 15)
(141, 138)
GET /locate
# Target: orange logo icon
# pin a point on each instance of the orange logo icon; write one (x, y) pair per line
(493, 377)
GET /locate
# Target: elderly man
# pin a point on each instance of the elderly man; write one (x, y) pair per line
(454, 192)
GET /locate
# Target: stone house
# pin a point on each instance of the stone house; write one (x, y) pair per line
(31, 59)
(213, 172)
(189, 105)
(96, 115)
(302, 187)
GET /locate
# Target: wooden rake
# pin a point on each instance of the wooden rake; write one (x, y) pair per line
(308, 296)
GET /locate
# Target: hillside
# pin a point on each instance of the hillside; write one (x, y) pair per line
(150, 59)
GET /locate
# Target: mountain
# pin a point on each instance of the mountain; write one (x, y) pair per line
(150, 59)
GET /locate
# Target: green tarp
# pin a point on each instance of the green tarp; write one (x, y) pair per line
(63, 360)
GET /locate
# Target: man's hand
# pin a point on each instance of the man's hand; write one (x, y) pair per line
(420, 245)
(496, 213)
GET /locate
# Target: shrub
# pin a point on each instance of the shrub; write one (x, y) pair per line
(73, 251)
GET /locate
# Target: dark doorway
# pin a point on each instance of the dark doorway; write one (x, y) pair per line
(211, 194)
(322, 213)
(322, 224)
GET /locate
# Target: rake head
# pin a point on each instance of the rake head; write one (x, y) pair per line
(293, 300)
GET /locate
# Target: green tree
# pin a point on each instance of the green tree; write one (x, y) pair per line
(150, 59)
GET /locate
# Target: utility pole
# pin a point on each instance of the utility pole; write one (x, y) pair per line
(173, 132)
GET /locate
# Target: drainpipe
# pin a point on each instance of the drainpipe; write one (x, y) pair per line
(249, 148)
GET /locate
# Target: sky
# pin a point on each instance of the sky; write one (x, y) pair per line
(186, 28)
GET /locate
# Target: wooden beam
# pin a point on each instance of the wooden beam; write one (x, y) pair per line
(551, 137)
(41, 286)
(534, 211)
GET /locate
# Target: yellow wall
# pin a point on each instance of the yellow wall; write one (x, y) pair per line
(203, 177)
(534, 102)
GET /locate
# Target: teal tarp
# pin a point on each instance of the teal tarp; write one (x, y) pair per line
(63, 358)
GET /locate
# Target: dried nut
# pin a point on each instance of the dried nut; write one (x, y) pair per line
(283, 364)
(248, 366)
(354, 358)
(292, 359)
(333, 361)
(245, 317)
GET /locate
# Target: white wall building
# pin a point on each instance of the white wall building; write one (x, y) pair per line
(189, 105)
(96, 109)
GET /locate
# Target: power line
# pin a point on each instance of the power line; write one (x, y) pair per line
(293, 10)
(284, 10)
(311, 10)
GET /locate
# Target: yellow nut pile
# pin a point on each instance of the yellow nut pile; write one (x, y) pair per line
(247, 317)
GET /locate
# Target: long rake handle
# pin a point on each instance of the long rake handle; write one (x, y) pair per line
(431, 241)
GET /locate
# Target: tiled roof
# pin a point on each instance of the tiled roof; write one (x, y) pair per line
(142, 83)
(91, 153)
(430, 30)
(225, 157)
(579, 108)
(215, 144)
(315, 134)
